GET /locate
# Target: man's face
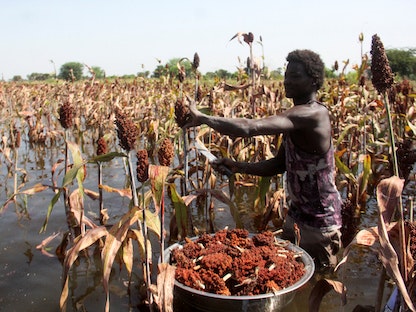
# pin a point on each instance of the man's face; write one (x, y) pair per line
(297, 82)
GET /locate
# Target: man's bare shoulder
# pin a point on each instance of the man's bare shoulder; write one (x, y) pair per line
(312, 111)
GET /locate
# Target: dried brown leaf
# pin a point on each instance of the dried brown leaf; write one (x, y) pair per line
(165, 285)
(35, 189)
(42, 246)
(388, 191)
(121, 192)
(115, 237)
(87, 240)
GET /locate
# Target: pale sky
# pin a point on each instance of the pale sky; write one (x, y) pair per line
(128, 36)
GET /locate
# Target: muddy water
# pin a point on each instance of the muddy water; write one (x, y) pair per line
(31, 281)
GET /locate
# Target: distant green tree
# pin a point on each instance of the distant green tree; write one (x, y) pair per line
(143, 74)
(71, 71)
(276, 74)
(172, 69)
(39, 76)
(99, 72)
(403, 62)
(220, 73)
(17, 78)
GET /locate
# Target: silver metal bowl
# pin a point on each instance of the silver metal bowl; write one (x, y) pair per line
(190, 299)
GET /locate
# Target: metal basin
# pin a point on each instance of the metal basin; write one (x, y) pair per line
(189, 299)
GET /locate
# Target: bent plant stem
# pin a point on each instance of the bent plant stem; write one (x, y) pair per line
(141, 227)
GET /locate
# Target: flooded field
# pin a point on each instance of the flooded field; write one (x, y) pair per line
(31, 281)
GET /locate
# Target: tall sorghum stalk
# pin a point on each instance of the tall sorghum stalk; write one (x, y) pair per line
(249, 38)
(195, 65)
(382, 79)
(101, 150)
(142, 172)
(165, 156)
(181, 117)
(16, 138)
(66, 118)
(127, 133)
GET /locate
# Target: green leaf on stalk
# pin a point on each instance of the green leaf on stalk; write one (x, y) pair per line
(365, 174)
(344, 133)
(344, 169)
(180, 210)
(157, 176)
(107, 157)
(152, 222)
(50, 208)
(262, 190)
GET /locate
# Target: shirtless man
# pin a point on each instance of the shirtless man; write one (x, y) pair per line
(306, 155)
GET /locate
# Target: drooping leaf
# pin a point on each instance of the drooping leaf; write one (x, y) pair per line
(140, 241)
(127, 255)
(388, 192)
(37, 188)
(87, 240)
(344, 169)
(121, 192)
(52, 203)
(42, 246)
(152, 222)
(344, 132)
(115, 237)
(165, 285)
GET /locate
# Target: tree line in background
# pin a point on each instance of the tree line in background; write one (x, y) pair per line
(402, 63)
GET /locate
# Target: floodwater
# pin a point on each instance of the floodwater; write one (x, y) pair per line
(31, 281)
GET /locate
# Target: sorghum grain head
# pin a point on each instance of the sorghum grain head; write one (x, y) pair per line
(142, 169)
(248, 38)
(165, 153)
(181, 113)
(127, 131)
(101, 146)
(66, 115)
(195, 63)
(382, 76)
